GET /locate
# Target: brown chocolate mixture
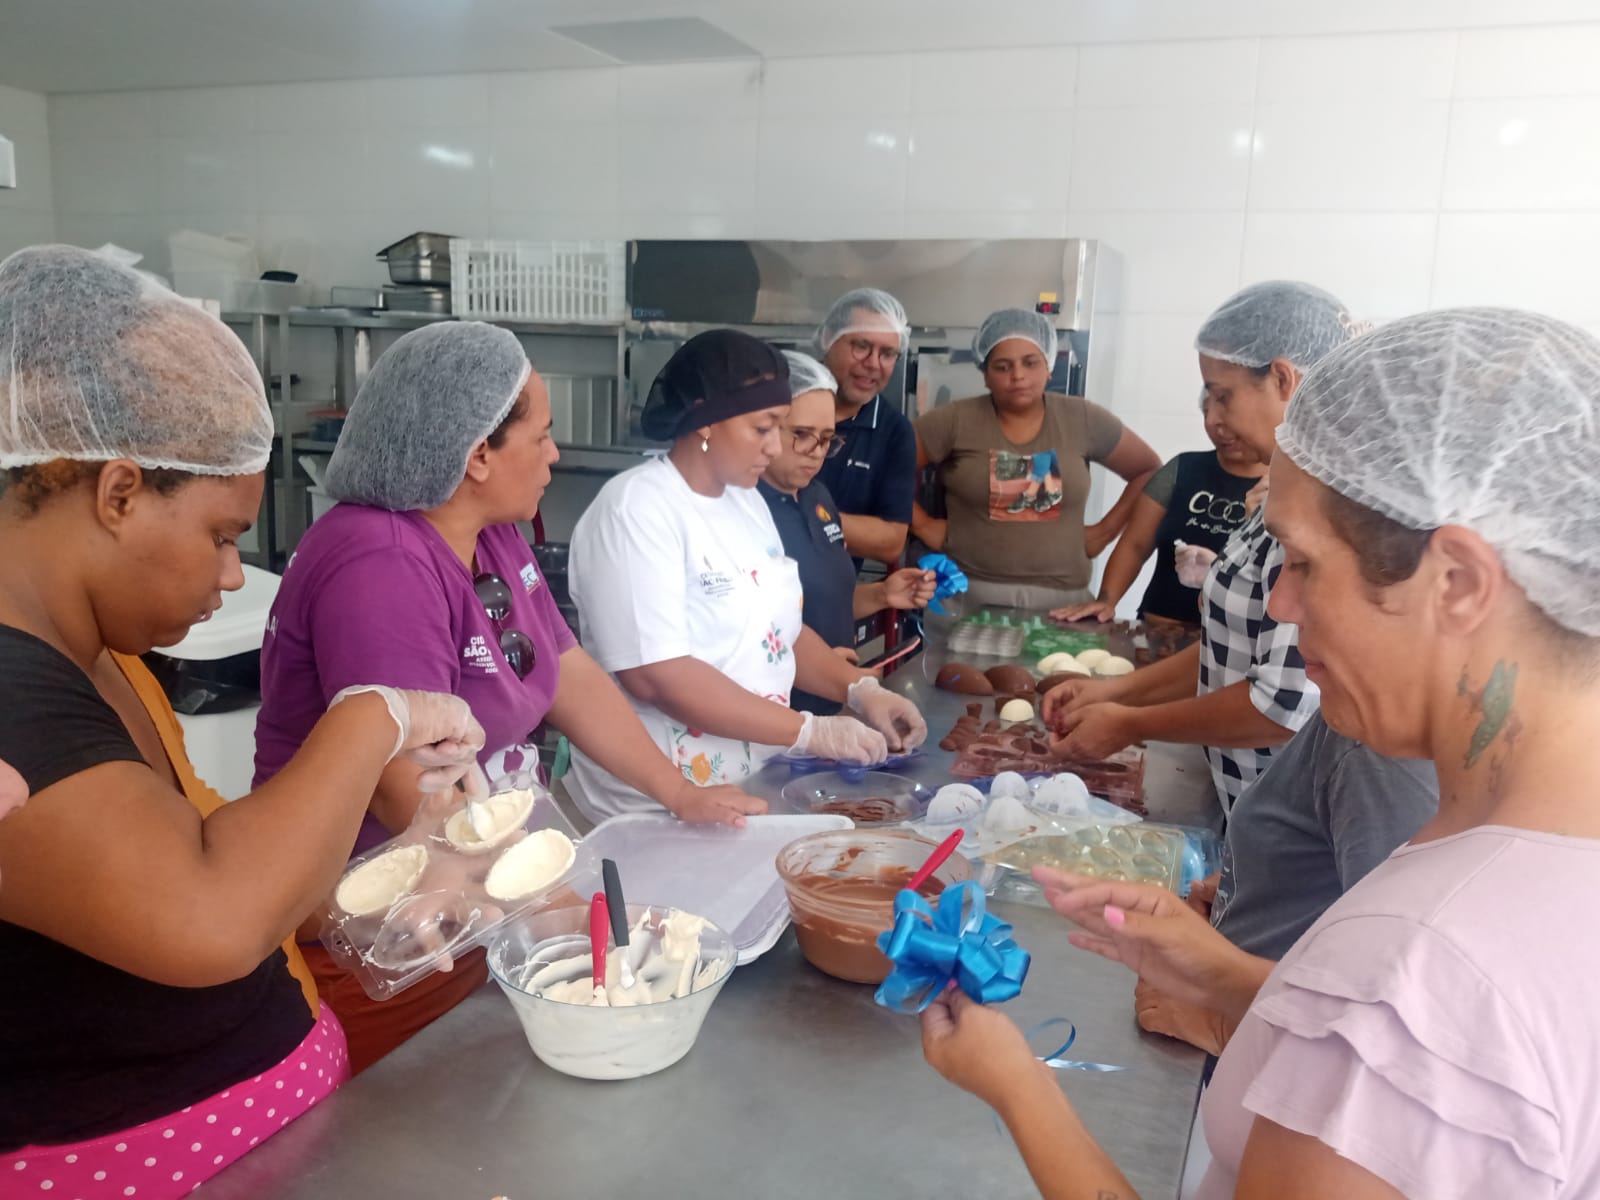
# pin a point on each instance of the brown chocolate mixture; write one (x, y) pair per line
(870, 810)
(964, 678)
(846, 948)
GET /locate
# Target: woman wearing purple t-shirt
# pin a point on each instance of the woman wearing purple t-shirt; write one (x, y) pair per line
(420, 574)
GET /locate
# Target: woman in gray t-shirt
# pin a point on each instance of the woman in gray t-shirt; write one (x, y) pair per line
(1014, 463)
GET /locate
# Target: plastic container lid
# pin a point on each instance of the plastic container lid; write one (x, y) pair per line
(238, 627)
(728, 876)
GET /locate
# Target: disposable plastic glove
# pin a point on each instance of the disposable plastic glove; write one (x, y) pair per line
(889, 713)
(1192, 563)
(437, 732)
(841, 738)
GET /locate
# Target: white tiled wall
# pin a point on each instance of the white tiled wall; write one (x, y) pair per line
(27, 212)
(1398, 169)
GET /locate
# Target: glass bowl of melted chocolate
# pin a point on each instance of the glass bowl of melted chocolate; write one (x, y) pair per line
(841, 886)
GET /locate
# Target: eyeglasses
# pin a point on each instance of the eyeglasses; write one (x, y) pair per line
(861, 350)
(517, 646)
(807, 441)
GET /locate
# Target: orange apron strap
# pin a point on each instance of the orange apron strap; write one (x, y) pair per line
(199, 794)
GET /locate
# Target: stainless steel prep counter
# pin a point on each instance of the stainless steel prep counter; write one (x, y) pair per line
(798, 1087)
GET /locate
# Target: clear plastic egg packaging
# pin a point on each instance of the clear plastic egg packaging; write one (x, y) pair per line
(976, 638)
(412, 905)
(1144, 852)
(1007, 812)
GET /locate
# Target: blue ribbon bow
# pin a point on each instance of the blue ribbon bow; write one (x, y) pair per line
(961, 941)
(949, 579)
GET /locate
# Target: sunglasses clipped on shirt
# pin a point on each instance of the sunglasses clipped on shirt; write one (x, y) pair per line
(516, 646)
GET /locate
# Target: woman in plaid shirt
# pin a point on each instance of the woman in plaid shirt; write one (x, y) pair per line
(1242, 691)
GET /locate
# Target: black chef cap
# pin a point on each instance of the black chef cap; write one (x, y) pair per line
(713, 376)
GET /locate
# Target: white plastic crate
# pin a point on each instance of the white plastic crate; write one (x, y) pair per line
(538, 281)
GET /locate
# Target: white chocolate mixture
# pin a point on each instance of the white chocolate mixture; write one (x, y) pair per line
(375, 885)
(536, 862)
(500, 816)
(666, 965)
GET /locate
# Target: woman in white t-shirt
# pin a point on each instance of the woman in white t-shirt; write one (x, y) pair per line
(685, 594)
(1434, 1033)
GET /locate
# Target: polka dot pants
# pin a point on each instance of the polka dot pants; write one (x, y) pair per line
(173, 1155)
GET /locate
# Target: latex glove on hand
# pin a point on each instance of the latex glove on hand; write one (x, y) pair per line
(890, 714)
(978, 1049)
(1158, 1012)
(437, 732)
(841, 738)
(1192, 563)
(722, 804)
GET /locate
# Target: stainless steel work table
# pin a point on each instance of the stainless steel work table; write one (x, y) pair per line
(798, 1087)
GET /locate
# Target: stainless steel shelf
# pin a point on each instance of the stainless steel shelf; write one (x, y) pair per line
(363, 318)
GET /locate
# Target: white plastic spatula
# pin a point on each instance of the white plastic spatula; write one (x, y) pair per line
(478, 815)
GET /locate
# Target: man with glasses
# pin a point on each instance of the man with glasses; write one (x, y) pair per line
(874, 478)
(809, 522)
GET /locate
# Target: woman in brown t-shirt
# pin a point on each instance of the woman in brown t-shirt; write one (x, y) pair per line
(1015, 468)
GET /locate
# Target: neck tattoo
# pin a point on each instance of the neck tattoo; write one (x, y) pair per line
(1494, 706)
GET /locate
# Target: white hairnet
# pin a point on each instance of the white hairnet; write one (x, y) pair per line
(863, 310)
(1479, 417)
(1268, 321)
(1014, 323)
(806, 374)
(429, 399)
(97, 363)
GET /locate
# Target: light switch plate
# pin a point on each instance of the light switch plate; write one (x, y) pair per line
(8, 163)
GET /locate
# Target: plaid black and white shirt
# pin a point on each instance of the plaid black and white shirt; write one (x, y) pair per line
(1240, 642)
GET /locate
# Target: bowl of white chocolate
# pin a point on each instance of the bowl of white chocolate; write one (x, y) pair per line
(678, 963)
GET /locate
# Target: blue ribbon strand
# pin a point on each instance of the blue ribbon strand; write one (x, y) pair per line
(960, 940)
(948, 579)
(1054, 1059)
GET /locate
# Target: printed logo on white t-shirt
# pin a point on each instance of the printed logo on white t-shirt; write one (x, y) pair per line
(530, 578)
(714, 583)
(477, 653)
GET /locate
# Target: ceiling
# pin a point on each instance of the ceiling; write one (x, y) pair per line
(108, 45)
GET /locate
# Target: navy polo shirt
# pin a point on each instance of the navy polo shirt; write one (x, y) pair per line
(808, 524)
(875, 475)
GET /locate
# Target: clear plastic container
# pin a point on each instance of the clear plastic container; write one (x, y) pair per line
(984, 635)
(725, 875)
(841, 889)
(1145, 852)
(601, 1042)
(430, 900)
(876, 798)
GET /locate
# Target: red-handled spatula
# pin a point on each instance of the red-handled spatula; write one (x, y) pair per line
(935, 860)
(599, 933)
